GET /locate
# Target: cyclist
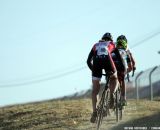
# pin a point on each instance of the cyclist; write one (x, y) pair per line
(100, 58)
(129, 62)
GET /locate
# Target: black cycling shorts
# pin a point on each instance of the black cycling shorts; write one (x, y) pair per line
(100, 63)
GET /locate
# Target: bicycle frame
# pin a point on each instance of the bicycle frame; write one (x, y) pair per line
(103, 106)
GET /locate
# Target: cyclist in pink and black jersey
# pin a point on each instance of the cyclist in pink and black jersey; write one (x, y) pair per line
(100, 58)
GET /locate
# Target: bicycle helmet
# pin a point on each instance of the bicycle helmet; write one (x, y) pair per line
(122, 41)
(122, 37)
(107, 36)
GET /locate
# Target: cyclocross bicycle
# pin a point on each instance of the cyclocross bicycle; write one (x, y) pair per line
(104, 103)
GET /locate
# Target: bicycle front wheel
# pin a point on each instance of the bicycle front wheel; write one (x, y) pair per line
(103, 107)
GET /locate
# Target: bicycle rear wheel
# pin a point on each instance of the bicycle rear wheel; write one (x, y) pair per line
(118, 105)
(117, 110)
(120, 110)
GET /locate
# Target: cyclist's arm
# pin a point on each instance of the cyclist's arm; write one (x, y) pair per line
(89, 59)
(133, 61)
(129, 64)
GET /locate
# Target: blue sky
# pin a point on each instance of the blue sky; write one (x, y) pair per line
(41, 39)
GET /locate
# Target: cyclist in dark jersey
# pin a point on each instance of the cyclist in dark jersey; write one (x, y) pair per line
(100, 58)
(129, 62)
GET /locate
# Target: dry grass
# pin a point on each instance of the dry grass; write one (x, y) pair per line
(74, 115)
(58, 115)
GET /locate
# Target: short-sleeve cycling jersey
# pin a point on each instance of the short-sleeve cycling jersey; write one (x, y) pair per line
(125, 56)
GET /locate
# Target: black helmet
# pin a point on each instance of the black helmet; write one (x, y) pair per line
(122, 37)
(107, 36)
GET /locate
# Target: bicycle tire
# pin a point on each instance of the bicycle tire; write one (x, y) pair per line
(120, 108)
(117, 105)
(120, 104)
(107, 102)
(100, 111)
(102, 107)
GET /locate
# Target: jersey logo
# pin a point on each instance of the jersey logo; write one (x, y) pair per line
(122, 53)
(102, 49)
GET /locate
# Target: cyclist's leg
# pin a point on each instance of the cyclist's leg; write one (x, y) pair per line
(113, 82)
(96, 76)
(121, 76)
(123, 88)
(95, 91)
(123, 94)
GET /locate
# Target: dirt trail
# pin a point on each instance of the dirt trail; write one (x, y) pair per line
(75, 115)
(139, 115)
